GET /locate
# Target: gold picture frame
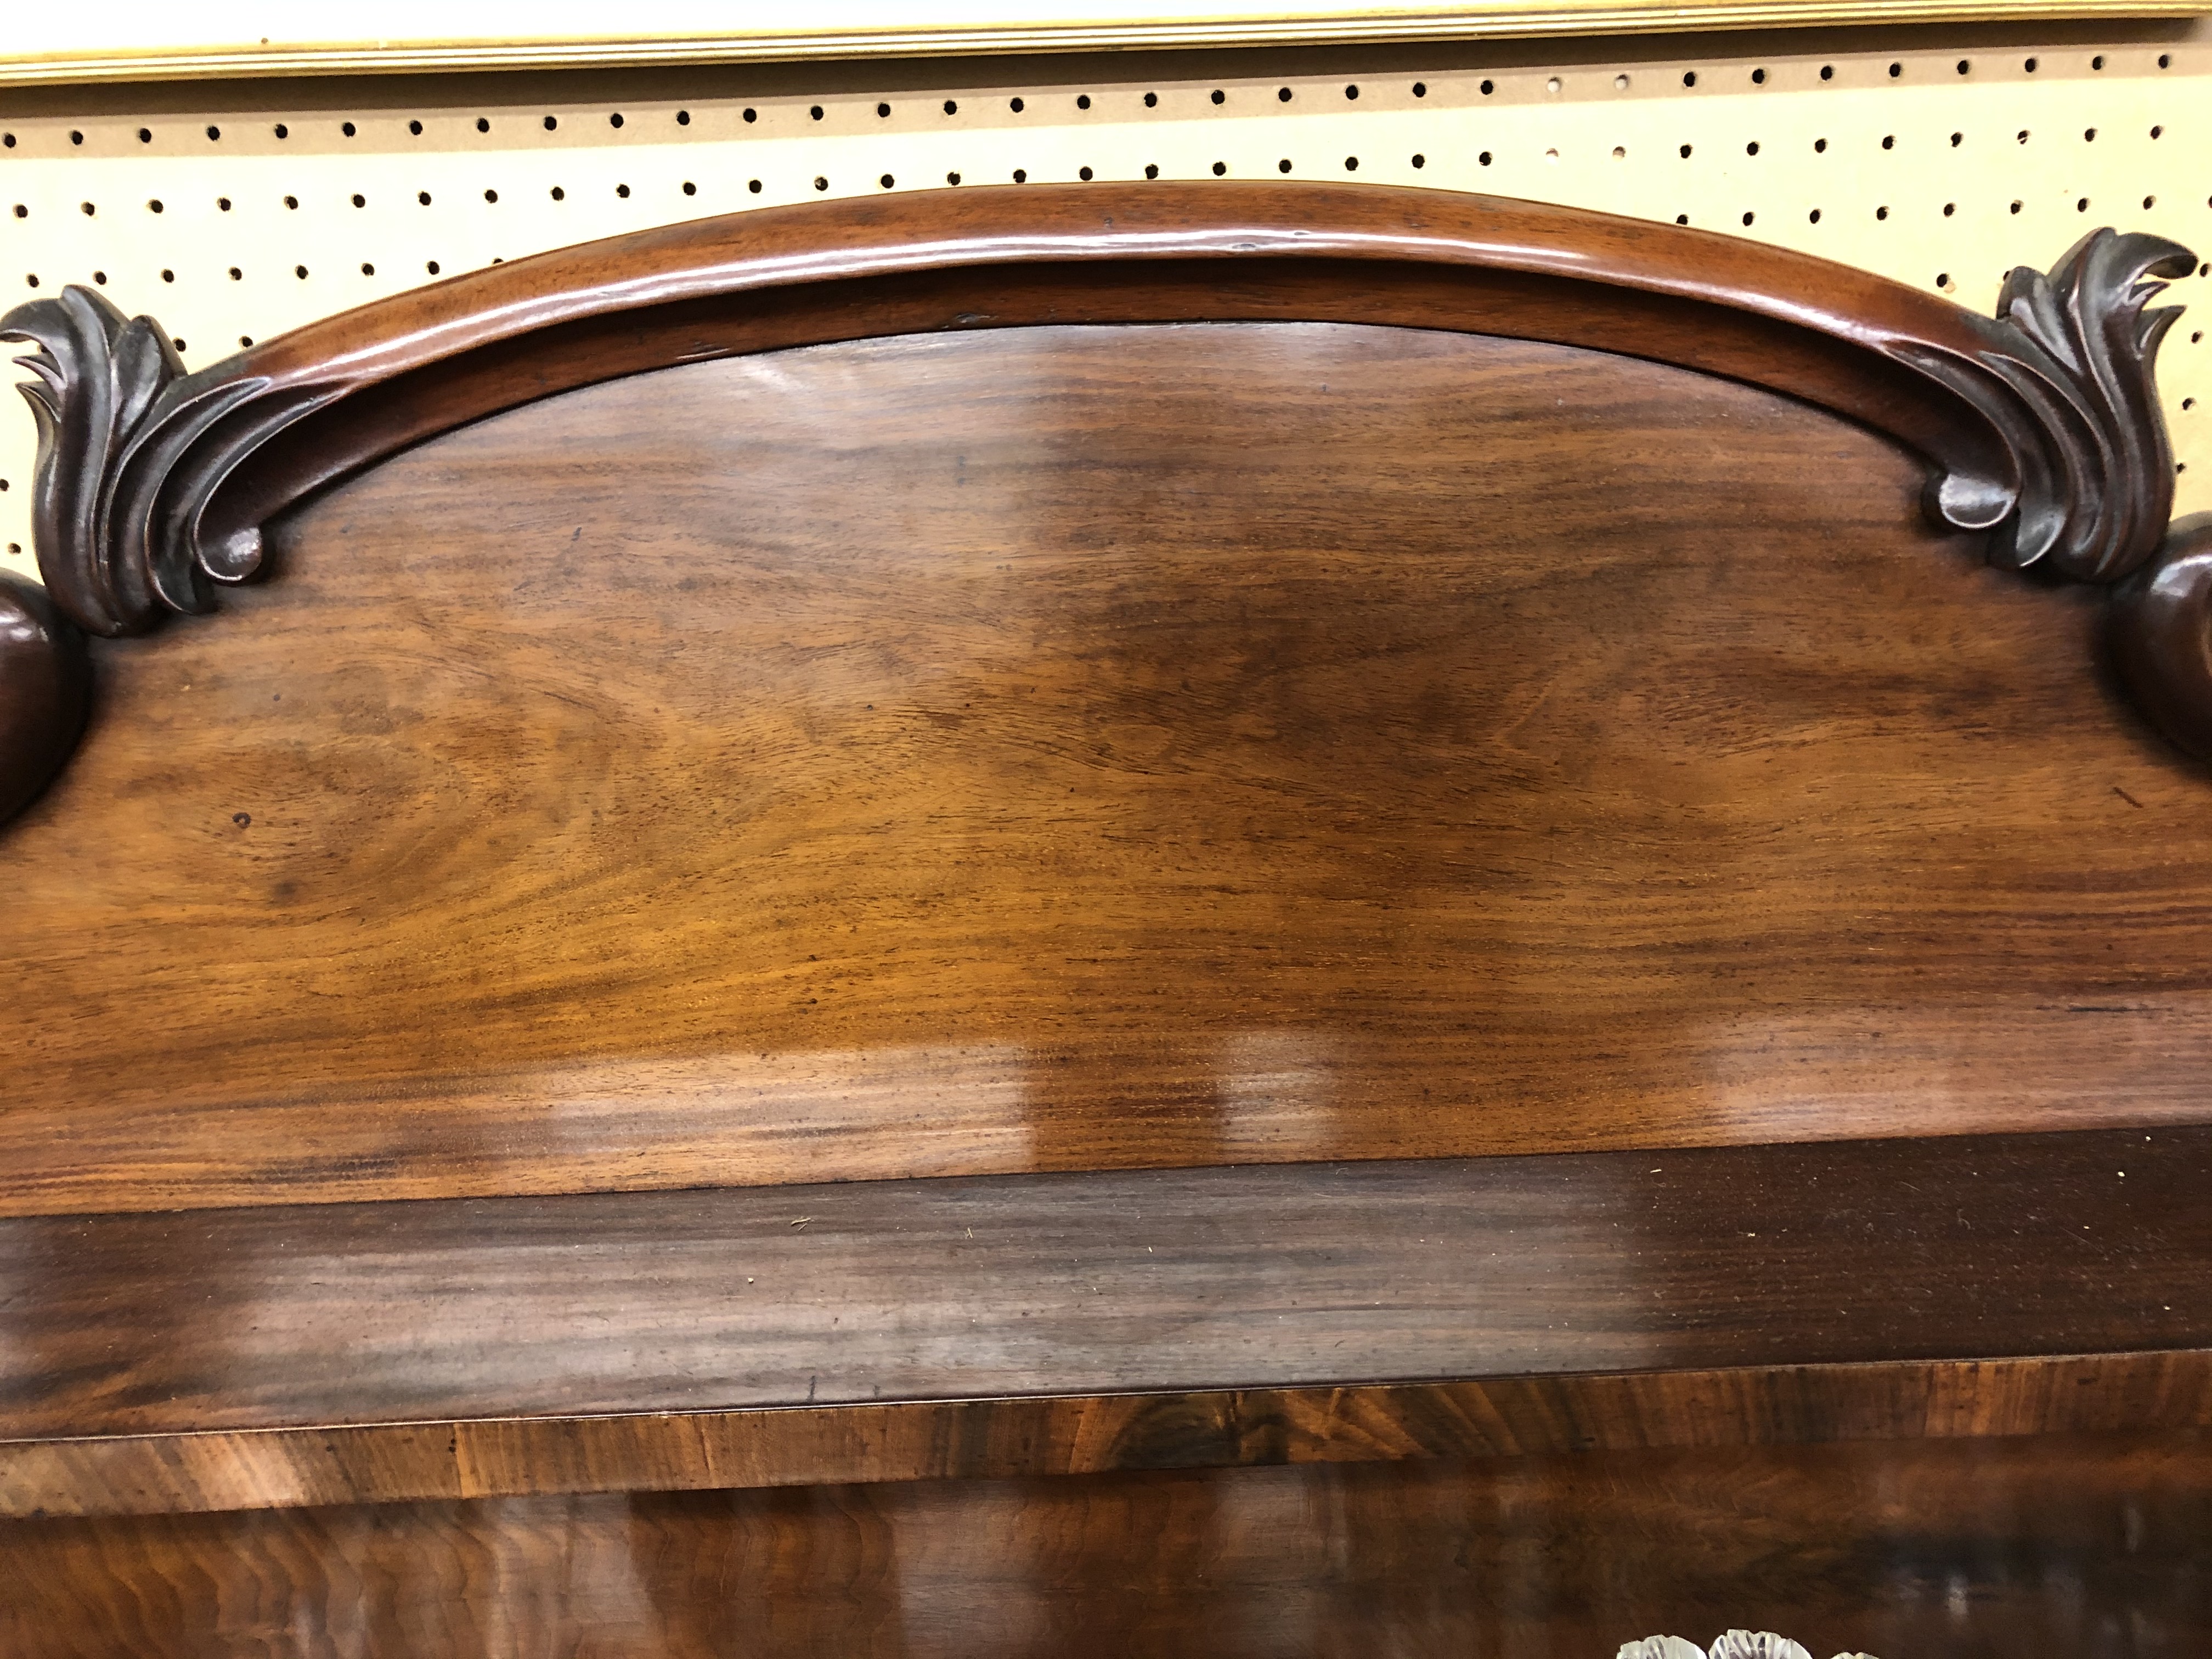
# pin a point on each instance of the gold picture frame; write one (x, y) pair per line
(223, 41)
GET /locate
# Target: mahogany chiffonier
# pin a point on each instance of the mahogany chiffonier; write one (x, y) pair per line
(1229, 919)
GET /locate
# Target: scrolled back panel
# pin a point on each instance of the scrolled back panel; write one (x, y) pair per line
(1940, 157)
(1069, 747)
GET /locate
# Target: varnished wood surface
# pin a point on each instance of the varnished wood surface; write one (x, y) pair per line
(1966, 1550)
(44, 684)
(2040, 426)
(1218, 797)
(2162, 635)
(1058, 749)
(1262, 1276)
(1070, 1435)
(419, 363)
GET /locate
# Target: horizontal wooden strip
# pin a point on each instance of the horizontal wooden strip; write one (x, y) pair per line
(1138, 1101)
(2051, 1545)
(1268, 1276)
(991, 1439)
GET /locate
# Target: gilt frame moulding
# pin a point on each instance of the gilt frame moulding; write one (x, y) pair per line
(2041, 427)
(63, 46)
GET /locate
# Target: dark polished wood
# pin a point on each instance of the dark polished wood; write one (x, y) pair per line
(1142, 1280)
(1024, 844)
(201, 1471)
(2042, 425)
(46, 690)
(1064, 749)
(1774, 1292)
(2162, 635)
(1964, 1549)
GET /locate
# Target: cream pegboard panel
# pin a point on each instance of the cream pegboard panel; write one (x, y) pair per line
(1941, 167)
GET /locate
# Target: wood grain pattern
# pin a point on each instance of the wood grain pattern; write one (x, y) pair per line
(2018, 412)
(1967, 1549)
(2042, 425)
(814, 767)
(965, 891)
(1180, 1280)
(1068, 1435)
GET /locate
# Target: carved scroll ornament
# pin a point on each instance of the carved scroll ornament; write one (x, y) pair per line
(1735, 1645)
(2041, 425)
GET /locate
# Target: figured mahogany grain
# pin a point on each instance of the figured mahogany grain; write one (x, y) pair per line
(1073, 748)
(2040, 426)
(1262, 1276)
(1966, 1549)
(196, 1472)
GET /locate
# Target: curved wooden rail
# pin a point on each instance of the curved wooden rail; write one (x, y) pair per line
(2041, 427)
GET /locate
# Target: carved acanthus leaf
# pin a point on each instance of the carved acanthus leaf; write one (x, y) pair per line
(2065, 377)
(2045, 433)
(114, 506)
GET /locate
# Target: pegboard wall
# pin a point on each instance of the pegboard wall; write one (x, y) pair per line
(1941, 163)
